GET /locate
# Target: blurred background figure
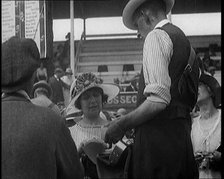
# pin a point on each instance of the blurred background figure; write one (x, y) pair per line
(211, 70)
(88, 95)
(209, 64)
(57, 87)
(42, 93)
(42, 73)
(206, 128)
(68, 79)
(132, 86)
(121, 111)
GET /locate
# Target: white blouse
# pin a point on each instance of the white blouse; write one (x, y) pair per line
(81, 133)
(206, 140)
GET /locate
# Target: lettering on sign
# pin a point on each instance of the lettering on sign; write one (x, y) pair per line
(25, 19)
(8, 20)
(31, 20)
(124, 99)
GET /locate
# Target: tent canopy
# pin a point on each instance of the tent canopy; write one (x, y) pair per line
(111, 8)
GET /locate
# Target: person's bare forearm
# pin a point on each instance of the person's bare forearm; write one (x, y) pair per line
(146, 111)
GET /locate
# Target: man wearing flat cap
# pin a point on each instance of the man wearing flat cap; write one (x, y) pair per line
(42, 93)
(162, 146)
(35, 141)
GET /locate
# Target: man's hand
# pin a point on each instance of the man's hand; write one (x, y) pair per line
(114, 132)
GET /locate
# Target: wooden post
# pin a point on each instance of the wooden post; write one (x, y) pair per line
(72, 53)
(84, 28)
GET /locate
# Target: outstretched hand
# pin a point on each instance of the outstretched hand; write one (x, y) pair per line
(114, 132)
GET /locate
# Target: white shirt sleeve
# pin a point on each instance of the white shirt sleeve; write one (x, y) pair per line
(157, 53)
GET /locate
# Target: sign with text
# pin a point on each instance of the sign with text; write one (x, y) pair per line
(125, 100)
(25, 19)
(8, 19)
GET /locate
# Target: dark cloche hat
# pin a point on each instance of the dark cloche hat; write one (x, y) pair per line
(214, 86)
(20, 59)
(58, 70)
(42, 85)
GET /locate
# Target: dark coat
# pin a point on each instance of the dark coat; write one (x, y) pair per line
(57, 90)
(36, 143)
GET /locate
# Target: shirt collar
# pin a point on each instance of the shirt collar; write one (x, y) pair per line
(162, 23)
(56, 77)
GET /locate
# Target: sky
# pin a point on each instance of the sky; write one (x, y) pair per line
(191, 24)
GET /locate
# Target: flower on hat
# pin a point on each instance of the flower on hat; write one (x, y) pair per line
(86, 80)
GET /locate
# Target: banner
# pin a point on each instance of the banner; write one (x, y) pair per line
(25, 19)
(125, 100)
(8, 20)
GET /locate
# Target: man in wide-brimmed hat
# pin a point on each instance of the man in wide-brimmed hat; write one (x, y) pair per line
(35, 141)
(162, 123)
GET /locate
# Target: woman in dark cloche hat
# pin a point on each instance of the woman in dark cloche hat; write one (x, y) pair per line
(206, 128)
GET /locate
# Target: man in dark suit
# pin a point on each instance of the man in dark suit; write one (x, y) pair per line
(35, 141)
(56, 84)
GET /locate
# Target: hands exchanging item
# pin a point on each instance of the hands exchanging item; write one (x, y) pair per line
(115, 132)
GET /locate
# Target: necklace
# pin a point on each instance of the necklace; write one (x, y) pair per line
(209, 124)
(207, 132)
(86, 125)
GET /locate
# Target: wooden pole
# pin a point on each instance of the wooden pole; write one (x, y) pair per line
(72, 53)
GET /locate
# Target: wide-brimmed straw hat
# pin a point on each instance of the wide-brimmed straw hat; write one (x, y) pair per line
(42, 85)
(215, 87)
(132, 6)
(85, 82)
(20, 59)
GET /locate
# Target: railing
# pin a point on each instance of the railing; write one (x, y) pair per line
(111, 35)
(84, 37)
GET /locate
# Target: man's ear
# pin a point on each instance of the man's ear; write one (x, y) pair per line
(210, 91)
(148, 16)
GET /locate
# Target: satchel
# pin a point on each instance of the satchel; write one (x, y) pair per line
(188, 83)
(115, 164)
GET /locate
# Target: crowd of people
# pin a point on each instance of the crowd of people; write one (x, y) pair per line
(57, 127)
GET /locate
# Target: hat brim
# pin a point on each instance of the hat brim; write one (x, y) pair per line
(214, 86)
(111, 90)
(14, 88)
(58, 70)
(131, 7)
